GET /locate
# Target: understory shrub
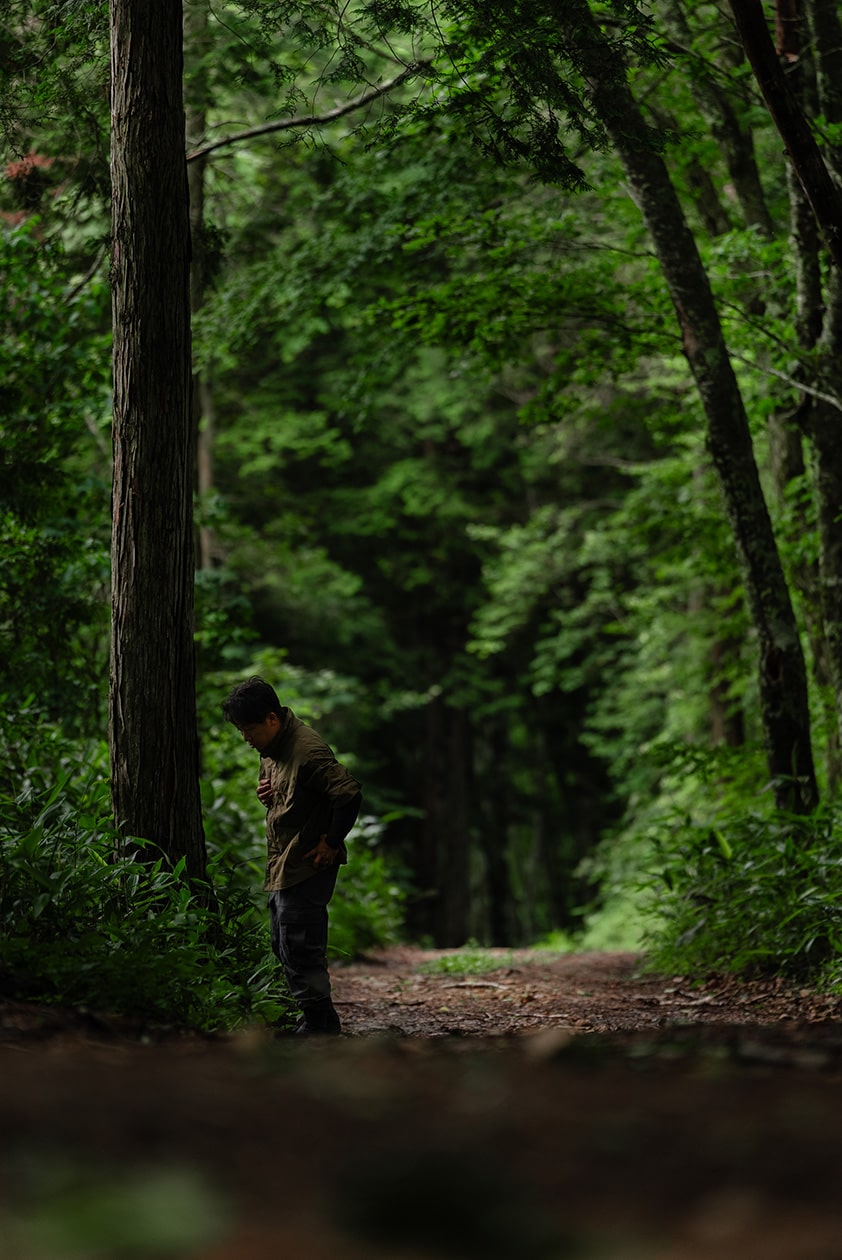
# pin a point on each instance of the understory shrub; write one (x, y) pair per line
(83, 925)
(753, 894)
(367, 909)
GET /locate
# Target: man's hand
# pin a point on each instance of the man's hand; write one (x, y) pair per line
(323, 854)
(264, 792)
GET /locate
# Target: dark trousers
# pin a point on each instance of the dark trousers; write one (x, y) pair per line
(298, 918)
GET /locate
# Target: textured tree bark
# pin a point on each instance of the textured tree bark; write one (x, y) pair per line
(824, 421)
(788, 460)
(152, 713)
(787, 35)
(196, 101)
(783, 680)
(735, 141)
(703, 191)
(819, 313)
(825, 43)
(826, 432)
(789, 119)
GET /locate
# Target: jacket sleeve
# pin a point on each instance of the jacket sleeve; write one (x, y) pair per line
(328, 777)
(342, 820)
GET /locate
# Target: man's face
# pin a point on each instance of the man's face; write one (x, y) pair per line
(261, 734)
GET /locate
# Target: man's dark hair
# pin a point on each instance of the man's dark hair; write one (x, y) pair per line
(251, 702)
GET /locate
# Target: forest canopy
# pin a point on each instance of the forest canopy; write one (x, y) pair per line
(511, 460)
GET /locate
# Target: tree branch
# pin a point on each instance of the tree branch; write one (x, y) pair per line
(89, 275)
(793, 128)
(833, 400)
(312, 120)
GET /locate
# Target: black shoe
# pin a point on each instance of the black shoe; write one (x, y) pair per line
(319, 1020)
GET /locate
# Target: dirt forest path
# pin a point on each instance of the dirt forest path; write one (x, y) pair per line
(415, 993)
(556, 1108)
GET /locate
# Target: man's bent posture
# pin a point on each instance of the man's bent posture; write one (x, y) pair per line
(312, 803)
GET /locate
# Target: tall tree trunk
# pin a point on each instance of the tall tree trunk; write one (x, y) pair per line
(821, 324)
(825, 31)
(823, 418)
(792, 126)
(204, 416)
(825, 428)
(735, 141)
(444, 859)
(698, 178)
(493, 809)
(152, 714)
(783, 681)
(196, 102)
(455, 854)
(788, 458)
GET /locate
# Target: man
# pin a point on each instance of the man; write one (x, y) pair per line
(312, 803)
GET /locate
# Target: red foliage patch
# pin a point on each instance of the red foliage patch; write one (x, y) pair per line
(25, 166)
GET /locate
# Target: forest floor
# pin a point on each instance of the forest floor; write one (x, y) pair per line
(542, 1106)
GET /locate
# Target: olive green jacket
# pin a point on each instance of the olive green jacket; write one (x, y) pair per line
(307, 783)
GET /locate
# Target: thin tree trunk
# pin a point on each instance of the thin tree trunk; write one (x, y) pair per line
(822, 419)
(735, 141)
(455, 854)
(825, 30)
(551, 877)
(787, 444)
(783, 681)
(792, 126)
(152, 714)
(494, 810)
(206, 429)
(703, 191)
(825, 428)
(443, 864)
(727, 722)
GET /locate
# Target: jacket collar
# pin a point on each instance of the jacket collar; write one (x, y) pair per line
(288, 720)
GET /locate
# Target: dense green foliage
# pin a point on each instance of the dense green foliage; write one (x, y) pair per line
(116, 933)
(54, 366)
(456, 500)
(87, 924)
(750, 894)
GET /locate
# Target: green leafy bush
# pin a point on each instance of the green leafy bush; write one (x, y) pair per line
(54, 475)
(84, 925)
(754, 894)
(366, 911)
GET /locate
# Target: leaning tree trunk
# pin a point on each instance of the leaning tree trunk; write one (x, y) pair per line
(789, 464)
(735, 141)
(152, 716)
(825, 44)
(824, 420)
(825, 30)
(783, 679)
(793, 128)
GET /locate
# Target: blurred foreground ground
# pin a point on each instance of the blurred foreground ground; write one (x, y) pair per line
(560, 1108)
